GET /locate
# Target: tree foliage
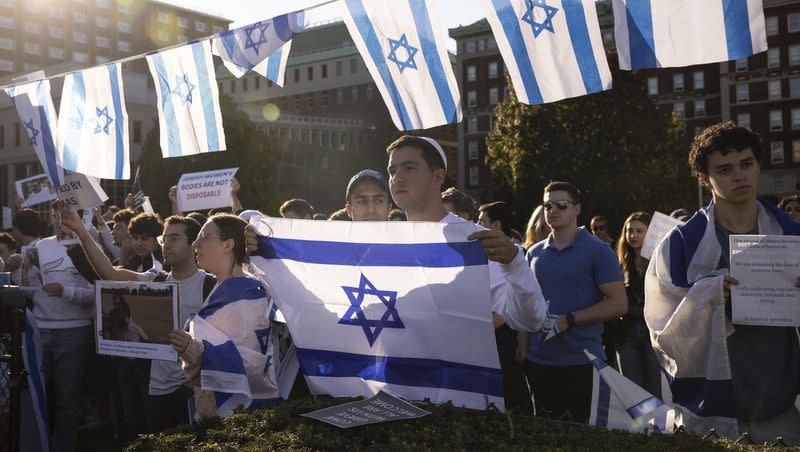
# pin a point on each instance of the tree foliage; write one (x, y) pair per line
(617, 147)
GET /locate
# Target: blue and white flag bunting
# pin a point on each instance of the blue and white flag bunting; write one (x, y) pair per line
(188, 100)
(405, 51)
(32, 357)
(37, 114)
(93, 123)
(552, 48)
(274, 66)
(399, 307)
(665, 33)
(246, 47)
(235, 328)
(620, 404)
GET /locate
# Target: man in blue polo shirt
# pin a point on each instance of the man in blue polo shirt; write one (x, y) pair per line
(582, 281)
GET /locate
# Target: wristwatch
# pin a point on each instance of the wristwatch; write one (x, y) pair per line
(570, 319)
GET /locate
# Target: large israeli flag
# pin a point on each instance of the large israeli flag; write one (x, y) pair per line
(620, 404)
(552, 48)
(371, 306)
(405, 51)
(188, 100)
(38, 114)
(247, 47)
(234, 326)
(670, 33)
(93, 123)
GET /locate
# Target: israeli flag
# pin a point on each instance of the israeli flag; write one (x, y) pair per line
(235, 328)
(372, 306)
(38, 115)
(404, 49)
(32, 357)
(669, 33)
(247, 47)
(274, 66)
(552, 48)
(620, 404)
(93, 123)
(188, 100)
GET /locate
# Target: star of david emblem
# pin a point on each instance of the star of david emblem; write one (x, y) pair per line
(410, 51)
(355, 314)
(549, 327)
(100, 126)
(32, 132)
(183, 88)
(262, 36)
(533, 6)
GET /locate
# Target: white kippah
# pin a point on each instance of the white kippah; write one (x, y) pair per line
(438, 148)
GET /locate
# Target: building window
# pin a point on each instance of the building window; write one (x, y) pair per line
(338, 68)
(297, 75)
(339, 96)
(79, 17)
(471, 73)
(7, 43)
(795, 118)
(493, 69)
(99, 59)
(743, 119)
(652, 85)
(773, 58)
(124, 46)
(164, 35)
(473, 150)
(772, 25)
(80, 57)
(774, 88)
(200, 26)
(324, 71)
(257, 81)
(183, 22)
(101, 22)
(80, 37)
(370, 92)
(56, 32)
(796, 151)
(474, 175)
(775, 120)
(699, 80)
(124, 27)
(218, 29)
(699, 108)
(778, 180)
(56, 12)
(310, 73)
(102, 41)
(793, 22)
(794, 55)
(16, 134)
(56, 53)
(182, 38)
(7, 65)
(482, 44)
(33, 48)
(741, 65)
(794, 88)
(102, 4)
(742, 92)
(7, 22)
(32, 27)
(472, 99)
(492, 43)
(353, 65)
(680, 109)
(124, 6)
(776, 152)
(494, 96)
(354, 94)
(163, 17)
(472, 125)
(470, 46)
(677, 82)
(244, 84)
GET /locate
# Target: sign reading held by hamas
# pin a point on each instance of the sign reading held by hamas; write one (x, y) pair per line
(205, 190)
(381, 407)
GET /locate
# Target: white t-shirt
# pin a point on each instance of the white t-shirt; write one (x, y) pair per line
(166, 376)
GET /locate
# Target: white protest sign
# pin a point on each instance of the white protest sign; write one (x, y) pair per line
(381, 407)
(7, 218)
(35, 190)
(146, 206)
(660, 226)
(205, 190)
(81, 192)
(766, 267)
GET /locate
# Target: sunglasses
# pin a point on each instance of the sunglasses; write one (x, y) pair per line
(562, 205)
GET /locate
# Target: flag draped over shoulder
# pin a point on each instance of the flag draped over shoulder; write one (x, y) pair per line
(552, 48)
(248, 47)
(234, 326)
(670, 33)
(37, 114)
(93, 123)
(405, 51)
(188, 100)
(685, 304)
(620, 404)
(371, 306)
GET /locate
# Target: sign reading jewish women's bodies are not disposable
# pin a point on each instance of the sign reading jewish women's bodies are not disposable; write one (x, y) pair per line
(81, 192)
(205, 190)
(381, 407)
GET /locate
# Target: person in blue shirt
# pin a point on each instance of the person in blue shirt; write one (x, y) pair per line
(582, 281)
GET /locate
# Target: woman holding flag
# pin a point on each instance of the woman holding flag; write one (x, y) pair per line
(227, 353)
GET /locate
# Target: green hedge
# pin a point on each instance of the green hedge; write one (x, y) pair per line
(446, 428)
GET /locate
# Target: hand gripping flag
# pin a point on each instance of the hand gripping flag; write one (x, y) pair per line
(620, 404)
(670, 33)
(250, 46)
(403, 47)
(234, 326)
(38, 115)
(552, 48)
(398, 307)
(93, 123)
(188, 100)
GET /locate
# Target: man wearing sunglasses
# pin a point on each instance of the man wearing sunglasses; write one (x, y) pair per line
(582, 281)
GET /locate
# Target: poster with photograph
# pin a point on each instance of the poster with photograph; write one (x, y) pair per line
(134, 319)
(30, 272)
(35, 190)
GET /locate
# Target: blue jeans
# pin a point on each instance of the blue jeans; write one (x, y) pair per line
(66, 352)
(637, 360)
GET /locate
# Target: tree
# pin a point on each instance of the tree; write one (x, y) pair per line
(247, 149)
(622, 152)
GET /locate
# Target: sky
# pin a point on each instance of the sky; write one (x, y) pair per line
(452, 13)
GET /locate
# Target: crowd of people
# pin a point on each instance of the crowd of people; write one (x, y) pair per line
(556, 289)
